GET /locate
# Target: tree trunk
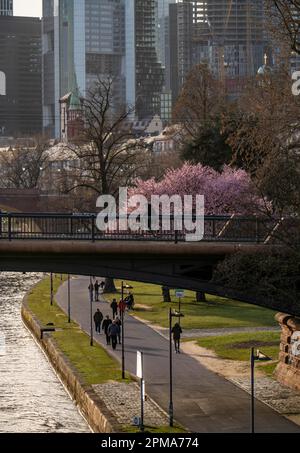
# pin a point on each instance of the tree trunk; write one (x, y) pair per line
(109, 286)
(200, 296)
(166, 294)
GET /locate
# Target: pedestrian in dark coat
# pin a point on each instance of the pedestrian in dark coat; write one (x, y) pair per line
(91, 291)
(177, 331)
(96, 287)
(119, 323)
(114, 332)
(105, 326)
(98, 318)
(114, 307)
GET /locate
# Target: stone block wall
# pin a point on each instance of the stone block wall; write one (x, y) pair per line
(288, 369)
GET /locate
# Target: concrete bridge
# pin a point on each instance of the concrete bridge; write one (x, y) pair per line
(71, 244)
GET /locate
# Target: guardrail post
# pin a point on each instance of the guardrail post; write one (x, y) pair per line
(257, 230)
(176, 237)
(9, 228)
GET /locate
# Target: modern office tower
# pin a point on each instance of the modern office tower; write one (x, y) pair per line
(82, 40)
(6, 7)
(144, 73)
(149, 72)
(181, 44)
(20, 76)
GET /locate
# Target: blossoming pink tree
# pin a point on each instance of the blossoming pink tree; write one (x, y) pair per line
(229, 192)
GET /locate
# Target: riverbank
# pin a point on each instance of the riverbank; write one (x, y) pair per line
(63, 354)
(91, 374)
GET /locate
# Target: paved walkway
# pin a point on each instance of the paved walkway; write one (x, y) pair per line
(203, 401)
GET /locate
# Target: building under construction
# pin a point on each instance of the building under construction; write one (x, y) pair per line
(235, 34)
(228, 34)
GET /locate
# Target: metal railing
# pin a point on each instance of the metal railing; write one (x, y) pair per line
(83, 227)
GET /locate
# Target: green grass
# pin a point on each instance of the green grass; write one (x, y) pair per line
(93, 363)
(155, 429)
(237, 346)
(218, 313)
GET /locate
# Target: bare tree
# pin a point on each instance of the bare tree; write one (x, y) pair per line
(107, 154)
(200, 101)
(21, 167)
(286, 19)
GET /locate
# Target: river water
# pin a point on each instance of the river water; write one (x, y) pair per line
(32, 399)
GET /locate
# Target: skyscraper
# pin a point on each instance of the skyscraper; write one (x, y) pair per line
(229, 35)
(149, 75)
(82, 40)
(20, 73)
(6, 7)
(88, 39)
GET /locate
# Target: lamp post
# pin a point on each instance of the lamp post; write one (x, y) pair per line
(122, 322)
(171, 406)
(259, 356)
(69, 299)
(51, 288)
(91, 312)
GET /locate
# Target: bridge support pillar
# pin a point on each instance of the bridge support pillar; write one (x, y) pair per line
(288, 369)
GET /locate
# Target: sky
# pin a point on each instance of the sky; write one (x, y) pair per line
(28, 8)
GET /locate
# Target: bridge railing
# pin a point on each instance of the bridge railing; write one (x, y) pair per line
(76, 227)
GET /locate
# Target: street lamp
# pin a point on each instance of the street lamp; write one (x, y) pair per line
(91, 312)
(69, 299)
(259, 356)
(122, 307)
(171, 406)
(51, 288)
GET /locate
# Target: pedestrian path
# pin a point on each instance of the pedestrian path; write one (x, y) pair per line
(203, 401)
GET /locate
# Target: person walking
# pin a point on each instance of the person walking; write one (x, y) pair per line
(98, 318)
(91, 291)
(96, 288)
(102, 285)
(177, 331)
(130, 301)
(114, 332)
(105, 326)
(114, 307)
(119, 323)
(122, 307)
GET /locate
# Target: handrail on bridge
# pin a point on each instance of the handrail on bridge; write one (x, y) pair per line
(82, 226)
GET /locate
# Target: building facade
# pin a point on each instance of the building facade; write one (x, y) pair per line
(20, 76)
(6, 7)
(149, 74)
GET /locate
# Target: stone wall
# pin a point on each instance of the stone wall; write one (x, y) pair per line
(100, 419)
(288, 369)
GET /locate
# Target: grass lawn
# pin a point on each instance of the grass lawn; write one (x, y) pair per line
(93, 363)
(218, 313)
(237, 347)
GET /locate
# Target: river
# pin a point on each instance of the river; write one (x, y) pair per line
(32, 399)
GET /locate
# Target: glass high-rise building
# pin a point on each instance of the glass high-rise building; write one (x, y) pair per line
(6, 7)
(84, 40)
